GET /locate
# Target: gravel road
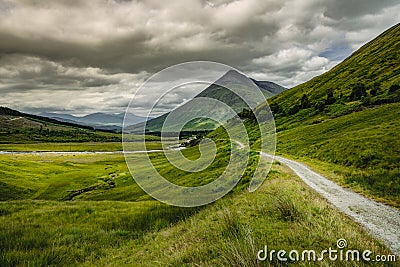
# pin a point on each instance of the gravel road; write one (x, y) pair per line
(380, 220)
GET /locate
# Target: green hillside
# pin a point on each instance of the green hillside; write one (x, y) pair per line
(349, 117)
(18, 127)
(366, 77)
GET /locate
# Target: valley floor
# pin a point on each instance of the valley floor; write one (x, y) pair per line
(38, 228)
(283, 214)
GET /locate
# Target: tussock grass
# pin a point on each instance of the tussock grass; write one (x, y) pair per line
(57, 233)
(239, 248)
(231, 231)
(285, 208)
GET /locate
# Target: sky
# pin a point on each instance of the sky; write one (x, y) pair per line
(82, 56)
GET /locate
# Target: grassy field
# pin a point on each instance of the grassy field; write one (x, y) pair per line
(51, 176)
(46, 218)
(116, 223)
(100, 176)
(74, 147)
(283, 214)
(50, 233)
(44, 221)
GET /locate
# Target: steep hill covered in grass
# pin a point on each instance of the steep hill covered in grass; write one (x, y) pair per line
(349, 117)
(367, 75)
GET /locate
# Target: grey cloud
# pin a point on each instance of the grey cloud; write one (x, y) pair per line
(103, 49)
(339, 9)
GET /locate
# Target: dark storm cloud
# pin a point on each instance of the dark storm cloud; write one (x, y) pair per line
(103, 49)
(339, 9)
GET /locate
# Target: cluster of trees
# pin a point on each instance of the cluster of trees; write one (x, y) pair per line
(358, 92)
(376, 95)
(47, 132)
(260, 116)
(246, 114)
(182, 134)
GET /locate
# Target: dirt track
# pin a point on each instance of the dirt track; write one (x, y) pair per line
(380, 220)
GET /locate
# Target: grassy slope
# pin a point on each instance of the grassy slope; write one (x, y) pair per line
(375, 62)
(359, 138)
(284, 214)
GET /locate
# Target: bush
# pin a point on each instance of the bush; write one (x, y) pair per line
(247, 114)
(293, 110)
(394, 88)
(375, 89)
(320, 106)
(275, 108)
(305, 103)
(358, 92)
(330, 99)
(285, 209)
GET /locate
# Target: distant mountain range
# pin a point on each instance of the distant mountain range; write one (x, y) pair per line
(97, 120)
(217, 91)
(114, 122)
(270, 88)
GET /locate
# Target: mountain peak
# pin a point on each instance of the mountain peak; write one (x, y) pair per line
(233, 77)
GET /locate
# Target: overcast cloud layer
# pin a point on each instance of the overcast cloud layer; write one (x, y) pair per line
(81, 56)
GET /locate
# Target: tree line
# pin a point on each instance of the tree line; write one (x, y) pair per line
(359, 92)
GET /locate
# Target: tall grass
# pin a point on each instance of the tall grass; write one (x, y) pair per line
(232, 231)
(54, 233)
(239, 248)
